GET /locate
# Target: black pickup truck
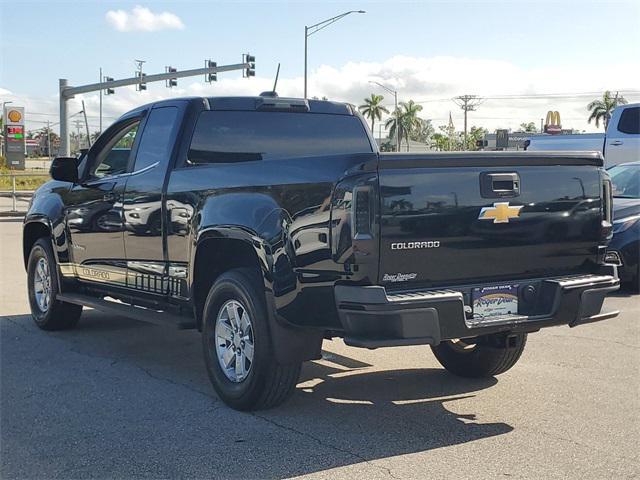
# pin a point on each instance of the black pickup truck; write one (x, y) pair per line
(270, 224)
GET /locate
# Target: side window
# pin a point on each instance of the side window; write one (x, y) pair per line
(155, 143)
(630, 121)
(114, 158)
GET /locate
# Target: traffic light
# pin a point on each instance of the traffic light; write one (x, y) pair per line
(109, 91)
(210, 77)
(142, 85)
(251, 70)
(171, 82)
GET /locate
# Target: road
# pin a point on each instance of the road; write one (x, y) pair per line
(117, 398)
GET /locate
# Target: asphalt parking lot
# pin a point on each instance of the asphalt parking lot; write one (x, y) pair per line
(117, 398)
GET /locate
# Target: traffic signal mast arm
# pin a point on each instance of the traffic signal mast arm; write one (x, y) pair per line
(70, 92)
(67, 92)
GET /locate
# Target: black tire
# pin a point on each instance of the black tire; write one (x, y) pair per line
(57, 315)
(267, 383)
(488, 356)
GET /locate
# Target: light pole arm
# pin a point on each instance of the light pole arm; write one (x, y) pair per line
(311, 29)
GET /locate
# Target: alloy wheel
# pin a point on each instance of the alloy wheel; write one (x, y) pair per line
(234, 340)
(42, 284)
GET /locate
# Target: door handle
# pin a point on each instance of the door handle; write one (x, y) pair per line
(109, 197)
(616, 143)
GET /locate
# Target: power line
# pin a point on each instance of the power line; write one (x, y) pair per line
(533, 96)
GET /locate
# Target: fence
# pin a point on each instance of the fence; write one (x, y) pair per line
(9, 198)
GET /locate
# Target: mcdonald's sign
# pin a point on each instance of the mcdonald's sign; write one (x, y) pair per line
(553, 124)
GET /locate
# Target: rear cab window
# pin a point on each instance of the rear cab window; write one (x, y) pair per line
(630, 121)
(242, 136)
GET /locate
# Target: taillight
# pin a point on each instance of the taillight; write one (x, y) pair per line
(607, 210)
(362, 211)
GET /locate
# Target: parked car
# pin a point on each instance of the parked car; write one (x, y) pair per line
(624, 248)
(620, 144)
(281, 224)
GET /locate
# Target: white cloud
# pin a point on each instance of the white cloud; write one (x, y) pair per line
(141, 19)
(433, 80)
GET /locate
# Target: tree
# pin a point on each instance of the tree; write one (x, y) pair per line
(450, 140)
(410, 117)
(440, 142)
(373, 109)
(601, 109)
(395, 124)
(405, 123)
(423, 131)
(475, 134)
(528, 127)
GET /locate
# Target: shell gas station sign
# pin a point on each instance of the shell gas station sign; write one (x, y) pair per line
(13, 121)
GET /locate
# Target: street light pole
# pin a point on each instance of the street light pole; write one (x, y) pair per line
(395, 111)
(100, 130)
(310, 30)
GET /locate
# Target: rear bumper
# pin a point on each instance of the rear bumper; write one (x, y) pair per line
(372, 317)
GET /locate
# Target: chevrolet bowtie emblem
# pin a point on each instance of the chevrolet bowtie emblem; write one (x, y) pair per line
(501, 212)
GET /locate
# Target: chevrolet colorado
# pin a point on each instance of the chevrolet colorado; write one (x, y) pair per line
(272, 223)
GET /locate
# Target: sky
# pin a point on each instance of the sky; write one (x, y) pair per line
(513, 54)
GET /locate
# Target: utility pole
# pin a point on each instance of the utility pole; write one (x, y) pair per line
(86, 124)
(68, 92)
(49, 139)
(467, 103)
(608, 117)
(78, 132)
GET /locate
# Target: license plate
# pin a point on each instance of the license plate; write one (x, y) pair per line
(495, 301)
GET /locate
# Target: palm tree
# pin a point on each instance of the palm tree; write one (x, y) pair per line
(528, 127)
(405, 121)
(411, 119)
(396, 124)
(373, 109)
(602, 109)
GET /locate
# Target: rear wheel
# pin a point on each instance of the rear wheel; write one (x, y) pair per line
(481, 356)
(43, 288)
(237, 346)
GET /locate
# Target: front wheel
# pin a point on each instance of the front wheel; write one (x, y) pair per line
(237, 346)
(43, 288)
(482, 356)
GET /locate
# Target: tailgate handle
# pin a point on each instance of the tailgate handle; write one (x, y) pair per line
(498, 185)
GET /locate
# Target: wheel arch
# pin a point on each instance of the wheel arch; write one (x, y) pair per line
(222, 249)
(31, 232)
(217, 251)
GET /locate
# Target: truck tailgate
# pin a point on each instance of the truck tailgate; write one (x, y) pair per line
(465, 218)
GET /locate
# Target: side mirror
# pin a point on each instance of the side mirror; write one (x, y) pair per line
(64, 169)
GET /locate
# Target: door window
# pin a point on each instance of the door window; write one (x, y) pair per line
(156, 142)
(114, 158)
